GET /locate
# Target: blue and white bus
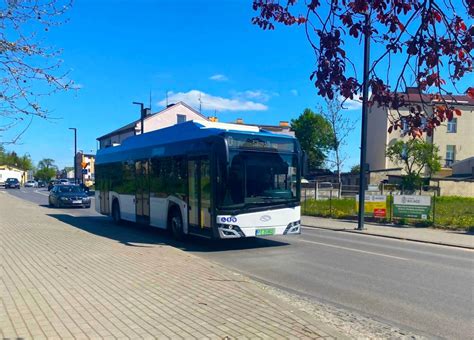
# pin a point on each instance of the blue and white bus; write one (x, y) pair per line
(214, 180)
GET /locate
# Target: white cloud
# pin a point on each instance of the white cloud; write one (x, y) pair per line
(219, 77)
(294, 92)
(210, 102)
(259, 95)
(353, 104)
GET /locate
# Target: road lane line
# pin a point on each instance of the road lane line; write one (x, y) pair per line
(41, 193)
(356, 250)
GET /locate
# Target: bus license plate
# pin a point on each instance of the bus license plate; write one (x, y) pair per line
(265, 232)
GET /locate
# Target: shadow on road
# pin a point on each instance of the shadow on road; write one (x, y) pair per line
(135, 235)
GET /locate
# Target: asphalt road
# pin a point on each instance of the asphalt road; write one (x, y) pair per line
(424, 288)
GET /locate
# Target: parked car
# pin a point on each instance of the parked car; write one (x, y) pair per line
(68, 196)
(41, 184)
(53, 183)
(31, 184)
(12, 183)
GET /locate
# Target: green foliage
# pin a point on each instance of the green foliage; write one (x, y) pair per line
(46, 169)
(355, 169)
(315, 134)
(454, 212)
(415, 155)
(12, 159)
(336, 208)
(45, 174)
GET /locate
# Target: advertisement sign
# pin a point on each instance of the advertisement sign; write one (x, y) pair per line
(411, 206)
(375, 205)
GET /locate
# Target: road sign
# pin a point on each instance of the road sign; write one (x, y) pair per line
(84, 171)
(375, 205)
(84, 165)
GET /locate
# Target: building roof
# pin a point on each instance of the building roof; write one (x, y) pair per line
(9, 167)
(412, 95)
(131, 126)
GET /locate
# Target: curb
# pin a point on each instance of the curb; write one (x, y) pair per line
(392, 237)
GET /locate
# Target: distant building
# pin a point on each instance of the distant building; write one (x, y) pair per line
(7, 171)
(455, 139)
(85, 174)
(283, 127)
(171, 115)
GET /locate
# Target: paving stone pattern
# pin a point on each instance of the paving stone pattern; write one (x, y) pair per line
(63, 277)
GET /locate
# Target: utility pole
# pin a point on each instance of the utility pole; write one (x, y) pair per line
(150, 100)
(363, 137)
(142, 114)
(75, 152)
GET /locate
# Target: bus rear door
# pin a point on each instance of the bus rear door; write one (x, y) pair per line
(142, 193)
(199, 189)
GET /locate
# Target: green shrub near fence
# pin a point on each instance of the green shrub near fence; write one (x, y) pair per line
(451, 212)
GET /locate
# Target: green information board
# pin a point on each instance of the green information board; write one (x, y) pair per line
(411, 206)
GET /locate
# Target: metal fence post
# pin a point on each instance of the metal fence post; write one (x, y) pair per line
(434, 207)
(391, 207)
(330, 203)
(304, 201)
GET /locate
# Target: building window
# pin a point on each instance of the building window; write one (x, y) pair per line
(453, 125)
(450, 154)
(405, 126)
(181, 118)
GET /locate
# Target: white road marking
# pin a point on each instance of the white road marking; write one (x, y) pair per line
(356, 250)
(42, 193)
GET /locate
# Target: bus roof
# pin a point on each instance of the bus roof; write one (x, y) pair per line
(148, 144)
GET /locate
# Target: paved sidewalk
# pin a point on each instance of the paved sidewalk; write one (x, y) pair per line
(427, 235)
(83, 277)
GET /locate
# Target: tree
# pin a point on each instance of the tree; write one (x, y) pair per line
(12, 159)
(46, 169)
(341, 127)
(416, 156)
(428, 40)
(355, 169)
(28, 70)
(315, 136)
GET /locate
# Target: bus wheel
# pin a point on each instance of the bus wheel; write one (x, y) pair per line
(116, 212)
(176, 224)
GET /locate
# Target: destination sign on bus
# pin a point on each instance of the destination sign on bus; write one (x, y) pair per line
(260, 143)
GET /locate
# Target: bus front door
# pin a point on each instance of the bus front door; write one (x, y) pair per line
(142, 193)
(199, 186)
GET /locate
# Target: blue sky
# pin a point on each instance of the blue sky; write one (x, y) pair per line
(119, 51)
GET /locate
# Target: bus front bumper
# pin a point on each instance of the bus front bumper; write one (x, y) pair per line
(234, 231)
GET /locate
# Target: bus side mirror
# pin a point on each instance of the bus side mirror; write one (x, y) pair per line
(304, 163)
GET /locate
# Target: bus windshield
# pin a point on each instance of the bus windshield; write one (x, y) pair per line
(259, 179)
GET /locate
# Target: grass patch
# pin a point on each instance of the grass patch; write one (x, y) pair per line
(451, 212)
(454, 212)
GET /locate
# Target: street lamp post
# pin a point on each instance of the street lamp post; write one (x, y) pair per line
(75, 152)
(363, 138)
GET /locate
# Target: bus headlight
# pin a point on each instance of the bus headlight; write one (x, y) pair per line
(230, 231)
(293, 228)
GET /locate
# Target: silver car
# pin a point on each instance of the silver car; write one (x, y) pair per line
(31, 184)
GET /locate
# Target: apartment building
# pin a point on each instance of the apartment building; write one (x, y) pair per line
(455, 139)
